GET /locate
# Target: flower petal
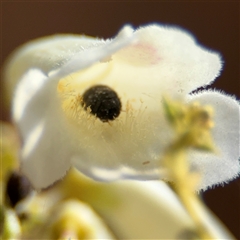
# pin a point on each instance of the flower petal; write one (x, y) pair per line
(52, 52)
(96, 53)
(74, 219)
(169, 58)
(138, 210)
(44, 133)
(47, 54)
(223, 166)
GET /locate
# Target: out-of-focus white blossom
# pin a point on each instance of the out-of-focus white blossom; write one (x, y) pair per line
(52, 75)
(127, 210)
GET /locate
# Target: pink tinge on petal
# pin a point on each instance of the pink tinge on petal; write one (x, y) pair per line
(139, 54)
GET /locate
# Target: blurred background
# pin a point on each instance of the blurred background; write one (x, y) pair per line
(215, 24)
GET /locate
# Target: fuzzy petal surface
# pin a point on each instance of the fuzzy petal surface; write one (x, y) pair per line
(224, 165)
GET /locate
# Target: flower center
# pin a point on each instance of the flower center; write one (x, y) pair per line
(103, 102)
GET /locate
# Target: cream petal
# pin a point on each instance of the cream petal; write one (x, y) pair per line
(139, 210)
(150, 210)
(52, 52)
(132, 209)
(223, 166)
(48, 159)
(45, 154)
(102, 53)
(170, 58)
(47, 54)
(28, 86)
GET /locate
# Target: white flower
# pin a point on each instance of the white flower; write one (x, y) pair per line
(125, 209)
(126, 139)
